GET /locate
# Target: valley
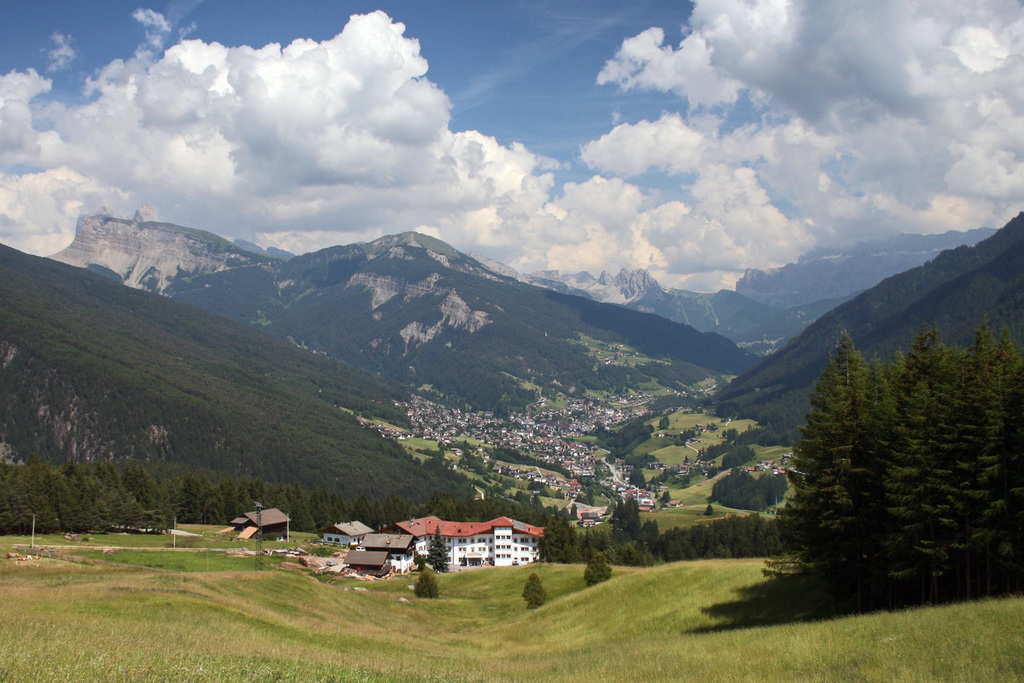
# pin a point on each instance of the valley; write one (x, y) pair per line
(546, 341)
(549, 455)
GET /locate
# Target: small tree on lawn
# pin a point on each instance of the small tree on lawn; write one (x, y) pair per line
(426, 585)
(534, 593)
(437, 558)
(597, 570)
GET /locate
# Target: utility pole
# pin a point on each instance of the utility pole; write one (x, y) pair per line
(33, 531)
(259, 536)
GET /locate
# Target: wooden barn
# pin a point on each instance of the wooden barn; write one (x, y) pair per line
(275, 524)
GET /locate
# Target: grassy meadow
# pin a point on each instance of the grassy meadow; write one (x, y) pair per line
(708, 620)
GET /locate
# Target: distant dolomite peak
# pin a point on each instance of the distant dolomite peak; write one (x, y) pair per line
(145, 214)
(145, 254)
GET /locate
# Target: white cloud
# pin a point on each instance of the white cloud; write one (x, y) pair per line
(19, 141)
(866, 118)
(799, 122)
(156, 25)
(62, 54)
(303, 144)
(36, 208)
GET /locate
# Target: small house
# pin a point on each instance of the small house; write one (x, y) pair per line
(344, 533)
(400, 549)
(367, 563)
(274, 524)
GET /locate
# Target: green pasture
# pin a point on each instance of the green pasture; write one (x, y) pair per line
(181, 560)
(673, 455)
(772, 452)
(708, 620)
(206, 536)
(688, 515)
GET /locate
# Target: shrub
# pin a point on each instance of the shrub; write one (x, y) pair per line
(426, 585)
(534, 593)
(597, 570)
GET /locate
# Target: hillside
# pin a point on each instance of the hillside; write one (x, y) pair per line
(92, 370)
(710, 620)
(956, 291)
(414, 310)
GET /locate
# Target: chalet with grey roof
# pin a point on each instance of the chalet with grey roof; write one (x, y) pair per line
(345, 533)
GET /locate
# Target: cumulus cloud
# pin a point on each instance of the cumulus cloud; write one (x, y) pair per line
(865, 118)
(299, 145)
(798, 122)
(19, 141)
(37, 208)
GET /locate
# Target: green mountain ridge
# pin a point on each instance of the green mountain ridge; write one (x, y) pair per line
(412, 309)
(92, 370)
(957, 291)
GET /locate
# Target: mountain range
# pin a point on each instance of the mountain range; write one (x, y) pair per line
(411, 309)
(768, 307)
(956, 292)
(831, 273)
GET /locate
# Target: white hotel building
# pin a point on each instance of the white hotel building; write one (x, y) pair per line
(501, 542)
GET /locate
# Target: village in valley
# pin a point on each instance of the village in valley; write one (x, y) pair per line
(551, 456)
(565, 462)
(560, 435)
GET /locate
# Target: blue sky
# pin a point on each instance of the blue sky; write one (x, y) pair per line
(692, 140)
(520, 71)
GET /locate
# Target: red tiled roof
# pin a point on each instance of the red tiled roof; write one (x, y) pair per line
(427, 526)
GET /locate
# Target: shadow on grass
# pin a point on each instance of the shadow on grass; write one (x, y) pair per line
(782, 600)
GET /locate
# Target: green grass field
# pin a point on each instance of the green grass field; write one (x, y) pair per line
(180, 560)
(206, 536)
(687, 516)
(710, 620)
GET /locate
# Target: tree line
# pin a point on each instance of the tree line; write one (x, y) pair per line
(129, 496)
(909, 476)
(136, 497)
(626, 540)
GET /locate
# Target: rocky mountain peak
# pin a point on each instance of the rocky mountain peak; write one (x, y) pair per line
(145, 214)
(145, 254)
(625, 287)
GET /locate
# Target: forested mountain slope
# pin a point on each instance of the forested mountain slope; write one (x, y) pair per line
(92, 370)
(956, 292)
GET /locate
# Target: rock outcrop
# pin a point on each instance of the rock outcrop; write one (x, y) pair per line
(146, 254)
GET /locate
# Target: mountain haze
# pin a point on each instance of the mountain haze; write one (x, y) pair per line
(754, 326)
(840, 273)
(768, 307)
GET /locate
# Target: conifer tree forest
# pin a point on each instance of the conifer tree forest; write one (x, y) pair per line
(909, 481)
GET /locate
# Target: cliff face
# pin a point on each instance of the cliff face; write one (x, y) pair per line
(149, 255)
